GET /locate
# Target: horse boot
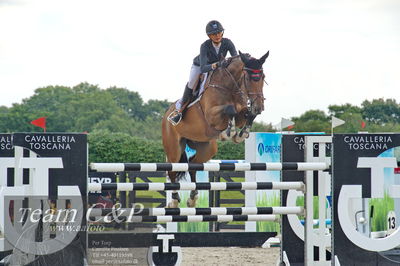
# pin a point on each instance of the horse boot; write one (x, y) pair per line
(176, 116)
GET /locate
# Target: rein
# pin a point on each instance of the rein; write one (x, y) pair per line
(238, 89)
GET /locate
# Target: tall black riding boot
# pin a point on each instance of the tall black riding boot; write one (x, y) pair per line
(186, 98)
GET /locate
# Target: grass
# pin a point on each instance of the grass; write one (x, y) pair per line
(201, 203)
(381, 209)
(268, 201)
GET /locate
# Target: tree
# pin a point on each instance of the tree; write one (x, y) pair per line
(88, 109)
(129, 101)
(262, 127)
(156, 108)
(48, 99)
(352, 125)
(17, 119)
(381, 111)
(339, 110)
(312, 121)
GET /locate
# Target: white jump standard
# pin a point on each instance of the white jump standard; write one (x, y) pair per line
(183, 167)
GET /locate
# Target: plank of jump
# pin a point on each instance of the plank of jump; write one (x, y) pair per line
(125, 212)
(236, 186)
(194, 218)
(183, 167)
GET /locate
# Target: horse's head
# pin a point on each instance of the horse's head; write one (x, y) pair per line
(254, 81)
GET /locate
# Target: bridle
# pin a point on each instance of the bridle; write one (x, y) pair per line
(256, 75)
(237, 88)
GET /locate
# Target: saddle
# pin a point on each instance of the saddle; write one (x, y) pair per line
(200, 86)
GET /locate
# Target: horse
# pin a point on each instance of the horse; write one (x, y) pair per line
(233, 97)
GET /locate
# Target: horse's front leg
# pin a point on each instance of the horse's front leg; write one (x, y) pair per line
(242, 135)
(245, 131)
(194, 194)
(230, 130)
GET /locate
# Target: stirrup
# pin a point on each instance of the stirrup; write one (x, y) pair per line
(174, 114)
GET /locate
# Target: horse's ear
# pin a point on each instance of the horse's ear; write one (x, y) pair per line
(243, 57)
(262, 59)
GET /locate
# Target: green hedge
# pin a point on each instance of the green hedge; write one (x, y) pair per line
(228, 150)
(108, 147)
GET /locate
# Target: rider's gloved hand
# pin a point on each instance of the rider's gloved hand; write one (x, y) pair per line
(223, 63)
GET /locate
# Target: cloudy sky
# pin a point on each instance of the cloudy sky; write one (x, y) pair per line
(321, 52)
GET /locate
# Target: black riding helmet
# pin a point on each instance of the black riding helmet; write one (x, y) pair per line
(214, 27)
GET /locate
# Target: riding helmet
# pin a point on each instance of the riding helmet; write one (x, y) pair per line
(214, 27)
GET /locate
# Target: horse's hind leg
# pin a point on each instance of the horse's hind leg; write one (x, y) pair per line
(175, 200)
(204, 152)
(173, 149)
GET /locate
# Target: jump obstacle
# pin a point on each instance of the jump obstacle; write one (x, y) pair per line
(290, 166)
(187, 214)
(205, 214)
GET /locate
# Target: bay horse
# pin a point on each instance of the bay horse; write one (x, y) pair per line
(233, 97)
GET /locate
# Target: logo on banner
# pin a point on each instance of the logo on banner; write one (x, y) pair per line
(351, 192)
(260, 149)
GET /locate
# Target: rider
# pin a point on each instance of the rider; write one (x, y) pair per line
(211, 52)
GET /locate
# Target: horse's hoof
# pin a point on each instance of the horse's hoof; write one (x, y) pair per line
(228, 132)
(231, 131)
(223, 136)
(238, 139)
(173, 204)
(192, 202)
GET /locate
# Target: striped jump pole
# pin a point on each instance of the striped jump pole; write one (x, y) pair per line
(183, 167)
(194, 218)
(92, 187)
(125, 212)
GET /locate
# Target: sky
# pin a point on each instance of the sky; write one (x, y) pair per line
(321, 52)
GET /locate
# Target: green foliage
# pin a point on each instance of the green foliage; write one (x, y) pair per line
(381, 209)
(352, 125)
(312, 121)
(120, 147)
(230, 151)
(378, 115)
(380, 111)
(262, 127)
(339, 110)
(156, 108)
(86, 107)
(129, 101)
(271, 200)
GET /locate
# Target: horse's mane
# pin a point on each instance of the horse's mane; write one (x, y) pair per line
(233, 58)
(251, 62)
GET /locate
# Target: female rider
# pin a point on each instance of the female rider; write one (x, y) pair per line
(211, 52)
